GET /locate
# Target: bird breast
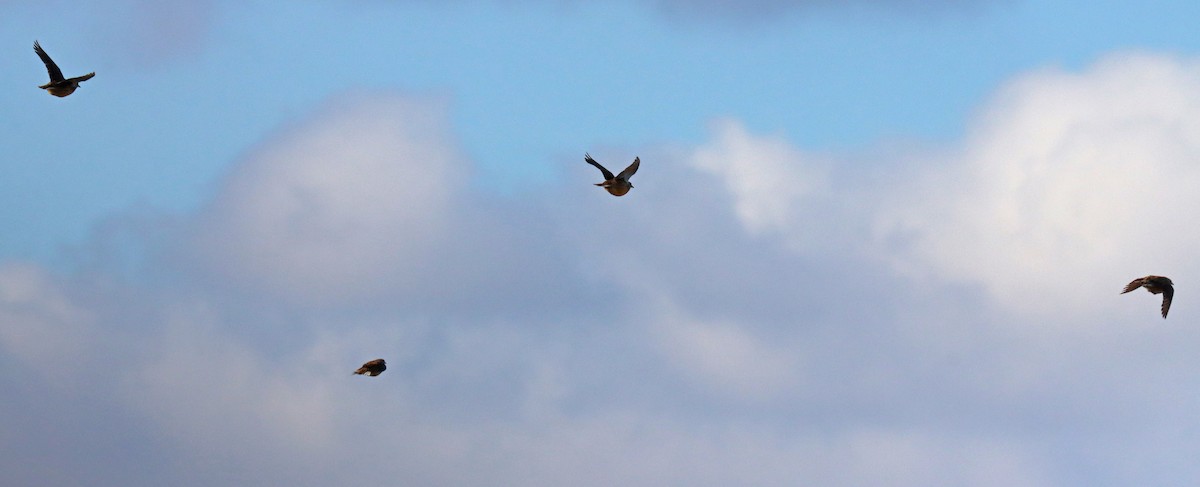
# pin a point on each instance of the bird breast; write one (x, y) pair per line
(61, 91)
(618, 189)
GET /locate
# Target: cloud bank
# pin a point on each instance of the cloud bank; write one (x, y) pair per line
(752, 313)
(1068, 184)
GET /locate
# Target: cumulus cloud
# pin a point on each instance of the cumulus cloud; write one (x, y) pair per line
(41, 322)
(192, 375)
(1070, 185)
(726, 358)
(761, 316)
(355, 200)
(770, 180)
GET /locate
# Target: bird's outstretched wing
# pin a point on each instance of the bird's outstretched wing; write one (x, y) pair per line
(628, 172)
(55, 73)
(84, 77)
(588, 158)
(1134, 285)
(1168, 293)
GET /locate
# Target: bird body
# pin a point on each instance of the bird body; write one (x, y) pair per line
(617, 185)
(58, 86)
(1156, 285)
(372, 368)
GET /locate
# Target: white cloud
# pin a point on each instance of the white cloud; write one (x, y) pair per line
(883, 457)
(352, 202)
(208, 390)
(40, 324)
(698, 345)
(772, 183)
(725, 358)
(1069, 186)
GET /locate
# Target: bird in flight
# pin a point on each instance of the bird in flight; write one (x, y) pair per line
(372, 368)
(618, 185)
(1156, 285)
(58, 85)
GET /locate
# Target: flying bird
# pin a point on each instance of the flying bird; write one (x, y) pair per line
(58, 86)
(618, 185)
(372, 368)
(1156, 285)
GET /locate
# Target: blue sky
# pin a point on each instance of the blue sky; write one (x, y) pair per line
(871, 243)
(576, 74)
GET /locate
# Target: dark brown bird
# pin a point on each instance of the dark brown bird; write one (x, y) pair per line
(58, 86)
(372, 368)
(1156, 285)
(618, 185)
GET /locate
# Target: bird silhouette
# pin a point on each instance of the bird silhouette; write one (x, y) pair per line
(616, 185)
(1156, 285)
(58, 85)
(372, 368)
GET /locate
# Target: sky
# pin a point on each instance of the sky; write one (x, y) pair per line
(871, 242)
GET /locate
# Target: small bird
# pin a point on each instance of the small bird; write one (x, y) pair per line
(619, 185)
(372, 368)
(58, 86)
(1156, 285)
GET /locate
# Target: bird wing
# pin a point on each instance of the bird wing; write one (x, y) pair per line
(55, 73)
(628, 172)
(588, 158)
(1133, 285)
(1168, 293)
(371, 367)
(84, 77)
